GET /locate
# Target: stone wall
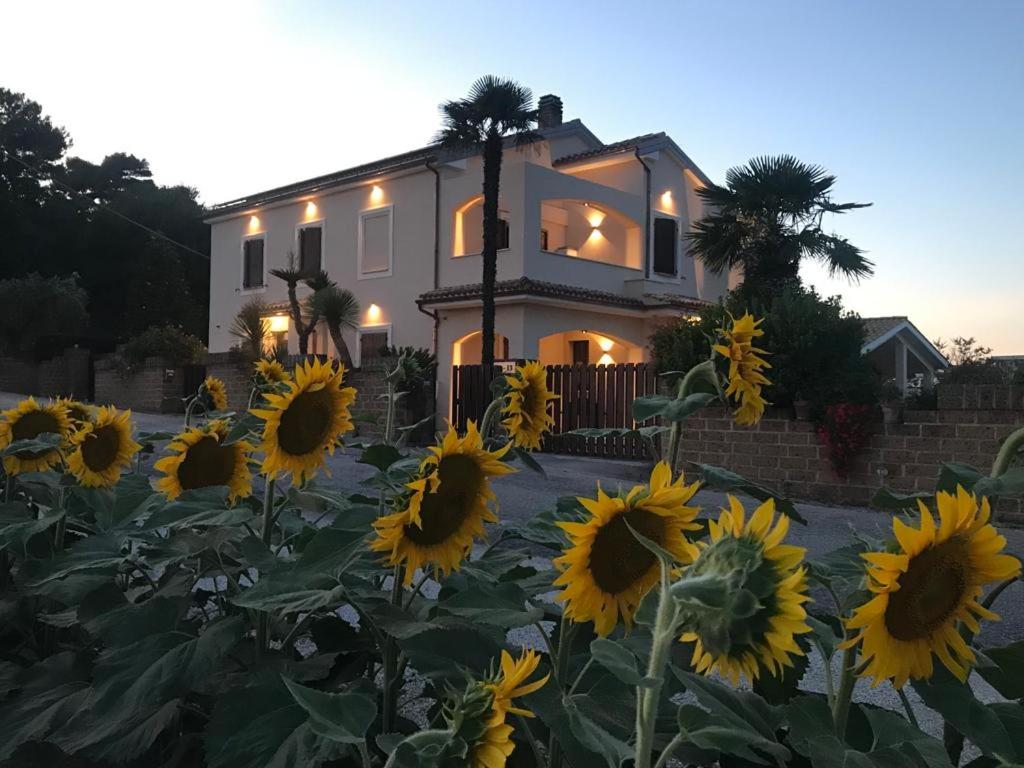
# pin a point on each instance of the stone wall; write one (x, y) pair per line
(788, 455)
(370, 409)
(981, 397)
(236, 373)
(154, 387)
(65, 374)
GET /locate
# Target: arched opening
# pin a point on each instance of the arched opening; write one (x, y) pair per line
(587, 347)
(467, 350)
(468, 227)
(590, 230)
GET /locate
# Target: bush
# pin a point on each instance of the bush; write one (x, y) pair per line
(170, 343)
(813, 343)
(37, 312)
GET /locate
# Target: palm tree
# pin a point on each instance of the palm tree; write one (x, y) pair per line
(251, 326)
(340, 311)
(494, 108)
(292, 275)
(768, 217)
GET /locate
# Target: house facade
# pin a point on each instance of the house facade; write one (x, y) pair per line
(592, 250)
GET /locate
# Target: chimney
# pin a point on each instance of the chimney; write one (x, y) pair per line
(549, 111)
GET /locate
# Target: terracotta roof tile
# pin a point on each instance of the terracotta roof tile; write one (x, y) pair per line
(608, 149)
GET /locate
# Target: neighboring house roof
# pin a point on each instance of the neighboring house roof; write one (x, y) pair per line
(879, 330)
(525, 286)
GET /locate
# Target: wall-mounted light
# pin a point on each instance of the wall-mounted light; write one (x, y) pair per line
(278, 323)
(376, 194)
(606, 359)
(373, 312)
(595, 235)
(605, 343)
(666, 198)
(310, 209)
(572, 252)
(254, 223)
(595, 217)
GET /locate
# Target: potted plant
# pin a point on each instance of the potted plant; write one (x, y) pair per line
(891, 399)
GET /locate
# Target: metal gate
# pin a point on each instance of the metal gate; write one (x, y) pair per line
(589, 396)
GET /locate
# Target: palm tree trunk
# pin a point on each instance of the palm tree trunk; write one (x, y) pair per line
(340, 345)
(489, 256)
(300, 329)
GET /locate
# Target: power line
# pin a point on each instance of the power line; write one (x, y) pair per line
(104, 206)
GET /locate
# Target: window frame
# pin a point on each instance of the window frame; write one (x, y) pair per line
(655, 215)
(357, 353)
(262, 236)
(381, 210)
(323, 239)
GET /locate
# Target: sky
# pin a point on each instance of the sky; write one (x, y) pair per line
(915, 107)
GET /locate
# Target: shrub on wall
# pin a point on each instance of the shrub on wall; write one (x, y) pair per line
(170, 343)
(814, 345)
(845, 430)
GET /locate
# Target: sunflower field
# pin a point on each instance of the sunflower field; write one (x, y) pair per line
(206, 598)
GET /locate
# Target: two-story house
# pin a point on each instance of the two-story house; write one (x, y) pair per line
(592, 249)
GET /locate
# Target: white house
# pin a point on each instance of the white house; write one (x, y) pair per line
(593, 251)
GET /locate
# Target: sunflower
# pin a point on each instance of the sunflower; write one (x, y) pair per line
(527, 405)
(102, 448)
(79, 413)
(308, 419)
(199, 460)
(26, 421)
(494, 746)
(217, 393)
(450, 502)
(606, 571)
(745, 377)
(753, 559)
(272, 371)
(923, 589)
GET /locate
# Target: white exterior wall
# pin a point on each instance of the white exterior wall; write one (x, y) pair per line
(411, 197)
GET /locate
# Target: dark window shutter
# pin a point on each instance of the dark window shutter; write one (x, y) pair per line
(503, 235)
(580, 352)
(310, 245)
(253, 264)
(665, 237)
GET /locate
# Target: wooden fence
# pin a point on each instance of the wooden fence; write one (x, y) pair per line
(590, 396)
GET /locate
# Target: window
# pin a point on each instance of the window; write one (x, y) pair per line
(310, 248)
(543, 239)
(503, 234)
(370, 340)
(376, 242)
(580, 352)
(252, 263)
(665, 242)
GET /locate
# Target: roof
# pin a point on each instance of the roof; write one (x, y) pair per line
(609, 149)
(879, 330)
(875, 327)
(525, 286)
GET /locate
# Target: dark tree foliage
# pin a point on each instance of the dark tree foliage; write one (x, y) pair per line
(40, 314)
(769, 217)
(59, 216)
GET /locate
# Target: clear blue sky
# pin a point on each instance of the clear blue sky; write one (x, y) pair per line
(917, 107)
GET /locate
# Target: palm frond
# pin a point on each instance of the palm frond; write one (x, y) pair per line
(251, 325)
(336, 306)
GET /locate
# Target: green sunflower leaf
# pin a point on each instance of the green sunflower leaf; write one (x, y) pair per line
(888, 499)
(721, 479)
(1003, 669)
(543, 528)
(380, 455)
(620, 661)
(343, 717)
(44, 442)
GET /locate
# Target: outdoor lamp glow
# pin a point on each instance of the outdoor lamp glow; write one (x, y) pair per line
(373, 312)
(278, 323)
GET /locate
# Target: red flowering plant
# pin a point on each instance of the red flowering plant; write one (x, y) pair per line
(845, 431)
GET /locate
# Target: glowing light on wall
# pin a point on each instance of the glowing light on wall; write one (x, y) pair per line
(254, 223)
(666, 198)
(310, 209)
(606, 359)
(572, 252)
(373, 312)
(605, 344)
(278, 323)
(595, 235)
(376, 194)
(595, 217)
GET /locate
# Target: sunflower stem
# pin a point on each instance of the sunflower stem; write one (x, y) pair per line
(487, 422)
(389, 417)
(666, 755)
(907, 708)
(538, 758)
(830, 684)
(647, 698)
(847, 681)
(389, 662)
(684, 389)
(263, 618)
(1009, 449)
(561, 660)
(997, 590)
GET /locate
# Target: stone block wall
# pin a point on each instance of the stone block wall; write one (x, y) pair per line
(981, 397)
(236, 374)
(155, 387)
(65, 374)
(788, 455)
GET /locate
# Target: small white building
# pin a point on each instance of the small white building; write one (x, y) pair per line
(592, 254)
(900, 352)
